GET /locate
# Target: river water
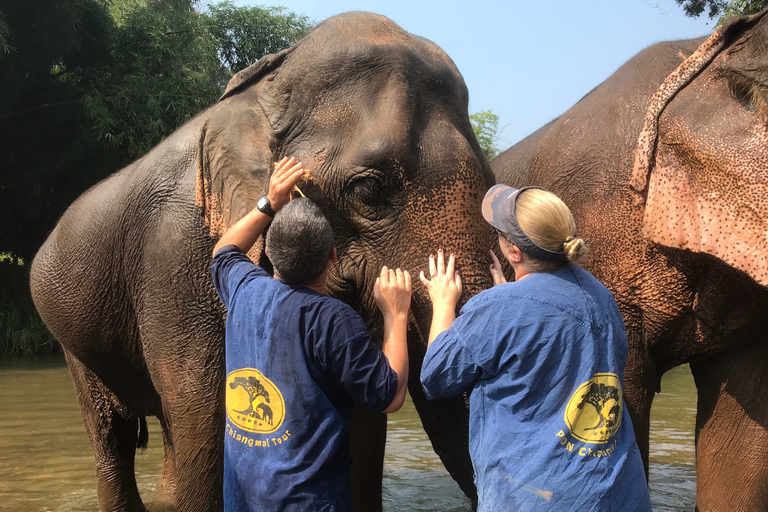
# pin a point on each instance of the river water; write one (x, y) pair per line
(46, 462)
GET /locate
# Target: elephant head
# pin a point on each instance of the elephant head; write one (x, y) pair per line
(701, 161)
(380, 118)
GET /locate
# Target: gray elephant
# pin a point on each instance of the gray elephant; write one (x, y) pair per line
(665, 166)
(380, 117)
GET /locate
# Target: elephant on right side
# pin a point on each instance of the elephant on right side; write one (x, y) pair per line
(665, 167)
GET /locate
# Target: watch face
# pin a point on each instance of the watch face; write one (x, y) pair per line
(264, 206)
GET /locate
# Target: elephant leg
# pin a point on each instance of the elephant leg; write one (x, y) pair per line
(732, 429)
(195, 422)
(640, 385)
(450, 444)
(367, 441)
(167, 488)
(113, 434)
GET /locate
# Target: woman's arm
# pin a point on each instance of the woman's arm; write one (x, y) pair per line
(444, 291)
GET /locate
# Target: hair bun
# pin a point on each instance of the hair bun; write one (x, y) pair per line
(575, 248)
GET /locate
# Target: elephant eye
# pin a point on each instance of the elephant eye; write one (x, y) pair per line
(369, 190)
(749, 91)
(369, 196)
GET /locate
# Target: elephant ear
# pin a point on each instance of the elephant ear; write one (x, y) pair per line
(217, 169)
(255, 72)
(678, 213)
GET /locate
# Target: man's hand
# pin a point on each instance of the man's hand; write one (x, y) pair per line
(496, 272)
(288, 172)
(247, 230)
(392, 292)
(444, 285)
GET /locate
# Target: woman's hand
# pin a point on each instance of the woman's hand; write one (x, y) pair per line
(444, 285)
(497, 274)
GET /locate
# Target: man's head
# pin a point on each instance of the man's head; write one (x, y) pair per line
(299, 242)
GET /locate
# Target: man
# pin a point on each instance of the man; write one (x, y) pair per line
(296, 359)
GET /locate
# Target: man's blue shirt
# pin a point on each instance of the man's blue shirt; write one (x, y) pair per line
(295, 361)
(543, 359)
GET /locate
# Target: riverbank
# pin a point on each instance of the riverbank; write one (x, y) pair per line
(21, 330)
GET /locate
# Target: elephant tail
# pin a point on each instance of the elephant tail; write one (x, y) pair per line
(143, 438)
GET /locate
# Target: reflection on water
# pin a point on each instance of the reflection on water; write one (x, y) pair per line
(673, 457)
(414, 477)
(46, 461)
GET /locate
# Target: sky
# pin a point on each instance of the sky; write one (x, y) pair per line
(528, 62)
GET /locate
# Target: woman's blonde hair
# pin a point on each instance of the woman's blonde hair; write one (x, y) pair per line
(548, 222)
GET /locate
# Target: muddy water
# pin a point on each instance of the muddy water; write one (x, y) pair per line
(46, 462)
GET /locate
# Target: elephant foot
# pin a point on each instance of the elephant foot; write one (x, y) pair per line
(160, 505)
(114, 434)
(732, 429)
(167, 488)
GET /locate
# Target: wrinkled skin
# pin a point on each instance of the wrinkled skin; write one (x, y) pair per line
(675, 209)
(123, 281)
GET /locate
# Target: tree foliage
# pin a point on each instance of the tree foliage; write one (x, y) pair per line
(486, 127)
(721, 8)
(89, 85)
(173, 61)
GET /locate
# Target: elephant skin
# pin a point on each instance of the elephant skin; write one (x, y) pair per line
(665, 167)
(380, 117)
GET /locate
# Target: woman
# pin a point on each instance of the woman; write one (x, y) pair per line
(542, 359)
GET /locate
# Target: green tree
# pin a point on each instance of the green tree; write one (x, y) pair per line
(4, 35)
(50, 51)
(87, 86)
(172, 61)
(722, 8)
(486, 127)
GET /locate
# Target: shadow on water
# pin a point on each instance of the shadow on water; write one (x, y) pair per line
(46, 461)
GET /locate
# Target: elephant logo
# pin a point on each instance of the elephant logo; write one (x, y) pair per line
(594, 411)
(253, 401)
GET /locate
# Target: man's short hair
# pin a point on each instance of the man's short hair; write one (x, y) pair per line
(299, 242)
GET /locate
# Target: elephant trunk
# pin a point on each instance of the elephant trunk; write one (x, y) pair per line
(446, 421)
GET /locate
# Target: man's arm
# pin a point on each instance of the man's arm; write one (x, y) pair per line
(392, 292)
(247, 230)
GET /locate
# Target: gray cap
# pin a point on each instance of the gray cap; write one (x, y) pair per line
(499, 210)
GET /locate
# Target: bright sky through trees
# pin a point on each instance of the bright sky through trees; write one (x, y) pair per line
(528, 62)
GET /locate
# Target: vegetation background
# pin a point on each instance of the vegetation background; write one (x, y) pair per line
(90, 85)
(87, 87)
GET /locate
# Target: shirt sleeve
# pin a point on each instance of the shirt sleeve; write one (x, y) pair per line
(230, 268)
(449, 368)
(360, 367)
(471, 349)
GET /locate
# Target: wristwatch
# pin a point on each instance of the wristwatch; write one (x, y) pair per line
(264, 206)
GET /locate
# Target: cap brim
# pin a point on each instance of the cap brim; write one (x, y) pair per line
(496, 196)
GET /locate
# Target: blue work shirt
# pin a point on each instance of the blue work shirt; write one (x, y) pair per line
(295, 361)
(543, 359)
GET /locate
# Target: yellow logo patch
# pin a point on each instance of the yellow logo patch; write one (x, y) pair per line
(594, 411)
(253, 401)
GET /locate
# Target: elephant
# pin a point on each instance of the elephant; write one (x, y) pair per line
(380, 117)
(665, 167)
